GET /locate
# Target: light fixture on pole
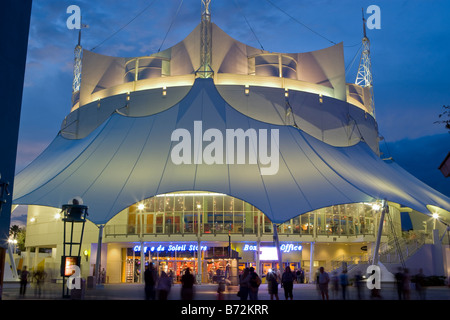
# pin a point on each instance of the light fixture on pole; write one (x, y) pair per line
(199, 251)
(13, 242)
(199, 206)
(73, 213)
(3, 192)
(229, 242)
(385, 209)
(141, 208)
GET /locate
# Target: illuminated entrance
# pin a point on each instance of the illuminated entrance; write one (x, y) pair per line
(174, 259)
(171, 226)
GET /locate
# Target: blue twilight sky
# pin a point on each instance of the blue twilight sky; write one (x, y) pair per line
(410, 59)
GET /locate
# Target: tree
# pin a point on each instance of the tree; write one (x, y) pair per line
(18, 233)
(445, 115)
(14, 231)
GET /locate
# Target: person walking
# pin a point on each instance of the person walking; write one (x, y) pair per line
(255, 282)
(359, 285)
(244, 280)
(302, 276)
(39, 278)
(343, 281)
(399, 278)
(23, 281)
(335, 285)
(323, 279)
(150, 279)
(221, 289)
(187, 285)
(164, 285)
(420, 284)
(272, 284)
(406, 284)
(288, 283)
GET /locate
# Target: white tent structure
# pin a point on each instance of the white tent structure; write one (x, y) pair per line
(128, 159)
(283, 132)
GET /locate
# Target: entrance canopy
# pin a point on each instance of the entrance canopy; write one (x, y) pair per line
(128, 159)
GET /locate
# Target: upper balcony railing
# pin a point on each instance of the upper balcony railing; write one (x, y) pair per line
(219, 228)
(146, 68)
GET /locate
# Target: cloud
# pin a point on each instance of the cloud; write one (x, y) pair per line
(404, 118)
(19, 216)
(421, 157)
(27, 151)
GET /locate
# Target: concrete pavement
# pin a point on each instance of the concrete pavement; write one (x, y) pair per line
(52, 291)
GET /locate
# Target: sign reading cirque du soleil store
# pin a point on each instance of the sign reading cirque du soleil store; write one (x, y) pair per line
(161, 248)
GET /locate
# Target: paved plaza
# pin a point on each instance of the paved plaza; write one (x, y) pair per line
(209, 292)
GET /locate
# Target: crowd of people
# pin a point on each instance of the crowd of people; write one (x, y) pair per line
(332, 285)
(337, 283)
(161, 284)
(37, 277)
(249, 282)
(403, 284)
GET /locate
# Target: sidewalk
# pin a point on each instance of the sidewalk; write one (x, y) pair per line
(52, 291)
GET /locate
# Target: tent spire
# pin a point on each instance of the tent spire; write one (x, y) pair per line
(78, 53)
(205, 70)
(364, 75)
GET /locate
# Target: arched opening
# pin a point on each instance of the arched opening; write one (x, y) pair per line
(191, 213)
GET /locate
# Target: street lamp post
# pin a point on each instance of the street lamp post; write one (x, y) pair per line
(229, 243)
(385, 209)
(3, 192)
(11, 250)
(73, 213)
(438, 257)
(141, 208)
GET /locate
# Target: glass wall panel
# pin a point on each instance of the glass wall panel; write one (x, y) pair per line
(305, 227)
(296, 225)
(267, 225)
(179, 203)
(321, 222)
(217, 213)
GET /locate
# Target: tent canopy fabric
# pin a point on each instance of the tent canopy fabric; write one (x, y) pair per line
(128, 159)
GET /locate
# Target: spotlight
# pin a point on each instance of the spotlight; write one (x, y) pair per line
(376, 206)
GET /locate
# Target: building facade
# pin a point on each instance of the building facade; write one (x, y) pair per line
(147, 147)
(226, 232)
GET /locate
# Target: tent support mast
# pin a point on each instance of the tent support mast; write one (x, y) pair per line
(99, 254)
(380, 231)
(277, 245)
(205, 70)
